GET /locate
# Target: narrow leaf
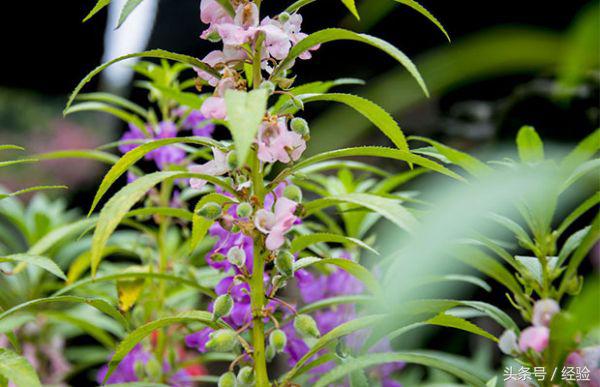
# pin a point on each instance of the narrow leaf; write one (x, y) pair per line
(530, 146)
(17, 369)
(419, 8)
(351, 5)
(97, 8)
(36, 260)
(449, 321)
(301, 242)
(127, 9)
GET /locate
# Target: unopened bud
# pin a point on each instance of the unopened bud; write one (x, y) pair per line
(236, 256)
(285, 83)
(270, 353)
(284, 262)
(227, 380)
(223, 340)
(245, 376)
(222, 307)
(297, 103)
(139, 368)
(268, 86)
(244, 210)
(293, 192)
(306, 326)
(300, 126)
(232, 160)
(279, 281)
(284, 17)
(508, 343)
(210, 210)
(278, 340)
(154, 369)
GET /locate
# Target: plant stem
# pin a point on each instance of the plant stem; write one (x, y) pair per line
(257, 301)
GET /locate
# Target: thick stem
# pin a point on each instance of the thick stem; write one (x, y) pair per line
(257, 302)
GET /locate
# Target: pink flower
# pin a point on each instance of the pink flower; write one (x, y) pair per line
(280, 36)
(276, 224)
(215, 108)
(277, 143)
(534, 337)
(212, 13)
(243, 28)
(589, 358)
(215, 57)
(215, 167)
(543, 311)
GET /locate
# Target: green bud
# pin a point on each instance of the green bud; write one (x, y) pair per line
(140, 370)
(293, 192)
(210, 210)
(270, 353)
(244, 210)
(232, 160)
(245, 376)
(214, 37)
(284, 17)
(300, 126)
(306, 326)
(223, 340)
(297, 103)
(285, 263)
(154, 369)
(279, 281)
(268, 86)
(285, 83)
(278, 340)
(217, 257)
(222, 307)
(227, 380)
(236, 256)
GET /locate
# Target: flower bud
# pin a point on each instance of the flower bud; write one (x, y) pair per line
(535, 338)
(543, 311)
(268, 86)
(270, 353)
(297, 103)
(210, 210)
(227, 380)
(285, 263)
(214, 37)
(222, 307)
(306, 326)
(153, 369)
(508, 343)
(300, 126)
(223, 340)
(236, 256)
(139, 368)
(284, 17)
(279, 281)
(232, 160)
(245, 376)
(293, 192)
(278, 340)
(244, 210)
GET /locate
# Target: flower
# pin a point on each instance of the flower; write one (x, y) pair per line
(589, 358)
(215, 167)
(534, 337)
(126, 370)
(543, 311)
(215, 108)
(508, 343)
(162, 156)
(277, 143)
(212, 13)
(276, 224)
(199, 339)
(197, 123)
(281, 35)
(243, 29)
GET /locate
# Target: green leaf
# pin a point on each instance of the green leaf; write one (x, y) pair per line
(11, 147)
(200, 225)
(334, 334)
(463, 160)
(16, 162)
(297, 5)
(17, 369)
(131, 157)
(115, 100)
(133, 338)
(97, 8)
(450, 321)
(388, 208)
(378, 151)
(83, 324)
(245, 112)
(98, 303)
(571, 244)
(459, 278)
(427, 359)
(226, 4)
(311, 88)
(333, 301)
(36, 260)
(102, 107)
(351, 5)
(57, 235)
(301, 242)
(351, 267)
(90, 154)
(530, 145)
(127, 9)
(584, 207)
(370, 110)
(145, 54)
(332, 34)
(419, 8)
(33, 189)
(584, 151)
(592, 166)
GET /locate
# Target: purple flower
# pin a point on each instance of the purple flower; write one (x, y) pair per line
(125, 371)
(162, 156)
(198, 339)
(198, 124)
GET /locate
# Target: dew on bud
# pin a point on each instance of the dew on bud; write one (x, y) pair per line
(245, 376)
(223, 340)
(306, 326)
(210, 211)
(278, 340)
(223, 306)
(244, 210)
(228, 379)
(284, 262)
(236, 256)
(300, 126)
(293, 192)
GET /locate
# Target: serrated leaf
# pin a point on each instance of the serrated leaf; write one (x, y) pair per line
(530, 145)
(351, 5)
(419, 8)
(36, 260)
(97, 8)
(311, 88)
(449, 321)
(51, 239)
(162, 54)
(17, 369)
(245, 112)
(301, 242)
(127, 10)
(333, 34)
(134, 337)
(377, 151)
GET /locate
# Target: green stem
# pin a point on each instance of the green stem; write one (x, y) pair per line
(257, 302)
